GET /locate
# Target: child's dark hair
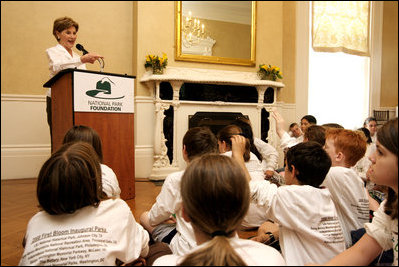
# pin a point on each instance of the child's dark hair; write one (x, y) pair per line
(366, 133)
(311, 162)
(85, 134)
(215, 196)
(387, 136)
(199, 141)
(368, 120)
(316, 133)
(70, 179)
(225, 134)
(310, 118)
(246, 128)
(292, 125)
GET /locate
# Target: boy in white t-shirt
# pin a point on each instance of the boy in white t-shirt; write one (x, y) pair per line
(180, 236)
(345, 148)
(309, 227)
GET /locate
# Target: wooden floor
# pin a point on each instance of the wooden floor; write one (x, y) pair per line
(19, 204)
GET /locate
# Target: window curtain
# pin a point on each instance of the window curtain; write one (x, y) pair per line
(341, 26)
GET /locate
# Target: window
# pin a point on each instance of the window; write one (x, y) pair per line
(338, 87)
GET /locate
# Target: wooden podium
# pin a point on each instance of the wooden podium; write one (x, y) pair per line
(104, 102)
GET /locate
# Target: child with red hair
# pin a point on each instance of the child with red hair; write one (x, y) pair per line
(345, 148)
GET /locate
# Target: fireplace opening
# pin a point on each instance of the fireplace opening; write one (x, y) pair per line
(214, 120)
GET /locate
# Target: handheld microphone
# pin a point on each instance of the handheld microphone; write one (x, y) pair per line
(81, 48)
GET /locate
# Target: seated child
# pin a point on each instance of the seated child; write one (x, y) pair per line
(86, 134)
(345, 148)
(196, 142)
(308, 221)
(215, 197)
(265, 152)
(252, 163)
(295, 131)
(77, 225)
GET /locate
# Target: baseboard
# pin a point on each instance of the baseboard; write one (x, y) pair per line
(19, 162)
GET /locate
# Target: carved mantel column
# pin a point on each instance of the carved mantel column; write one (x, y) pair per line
(161, 166)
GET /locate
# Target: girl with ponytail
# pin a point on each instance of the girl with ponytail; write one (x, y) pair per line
(215, 199)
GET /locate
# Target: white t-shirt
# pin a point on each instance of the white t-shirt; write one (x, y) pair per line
(169, 202)
(385, 231)
(350, 197)
(253, 165)
(287, 141)
(269, 155)
(60, 59)
(109, 182)
(309, 227)
(89, 236)
(262, 191)
(364, 163)
(374, 138)
(251, 252)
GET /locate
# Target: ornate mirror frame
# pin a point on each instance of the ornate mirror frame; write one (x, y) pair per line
(213, 59)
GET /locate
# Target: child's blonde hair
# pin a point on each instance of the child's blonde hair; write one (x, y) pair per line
(215, 197)
(352, 144)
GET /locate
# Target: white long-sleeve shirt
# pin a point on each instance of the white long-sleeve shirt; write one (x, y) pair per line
(269, 155)
(286, 141)
(262, 192)
(169, 202)
(109, 182)
(385, 231)
(59, 59)
(253, 165)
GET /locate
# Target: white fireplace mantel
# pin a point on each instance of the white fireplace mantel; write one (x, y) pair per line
(210, 76)
(177, 77)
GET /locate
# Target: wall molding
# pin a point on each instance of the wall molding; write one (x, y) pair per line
(23, 98)
(24, 146)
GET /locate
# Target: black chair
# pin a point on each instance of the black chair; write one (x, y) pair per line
(381, 116)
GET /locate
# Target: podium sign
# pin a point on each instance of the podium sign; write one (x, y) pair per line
(95, 92)
(104, 102)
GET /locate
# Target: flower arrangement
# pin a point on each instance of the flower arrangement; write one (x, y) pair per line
(269, 72)
(157, 63)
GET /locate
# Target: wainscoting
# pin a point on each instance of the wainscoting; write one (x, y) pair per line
(25, 137)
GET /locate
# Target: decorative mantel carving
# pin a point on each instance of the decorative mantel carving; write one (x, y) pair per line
(177, 77)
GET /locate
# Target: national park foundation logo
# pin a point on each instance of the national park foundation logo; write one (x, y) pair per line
(107, 94)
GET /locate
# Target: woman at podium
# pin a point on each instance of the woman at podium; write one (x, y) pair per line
(62, 56)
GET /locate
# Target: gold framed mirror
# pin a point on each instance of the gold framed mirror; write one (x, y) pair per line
(220, 32)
